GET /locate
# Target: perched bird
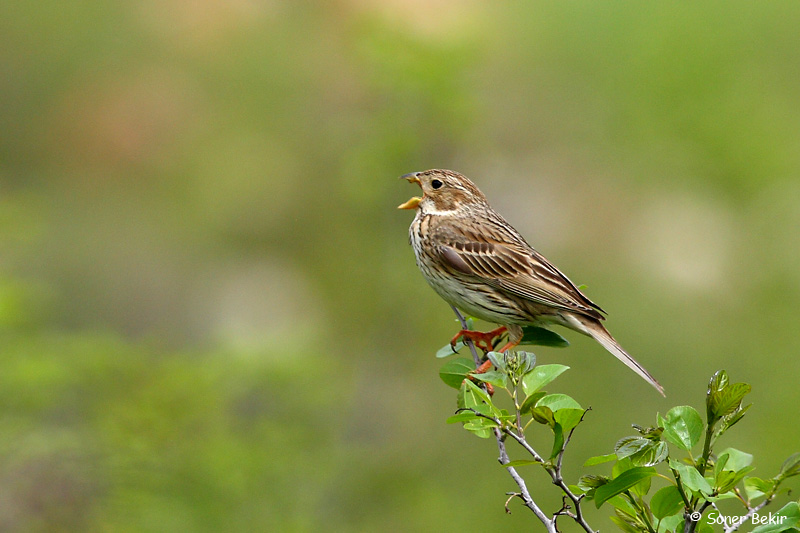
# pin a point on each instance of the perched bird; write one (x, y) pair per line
(478, 263)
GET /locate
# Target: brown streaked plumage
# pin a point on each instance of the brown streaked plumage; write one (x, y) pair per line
(478, 262)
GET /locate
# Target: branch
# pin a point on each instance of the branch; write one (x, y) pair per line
(524, 495)
(750, 512)
(554, 471)
(559, 480)
(467, 340)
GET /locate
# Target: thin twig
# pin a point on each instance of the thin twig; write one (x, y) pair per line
(750, 512)
(511, 496)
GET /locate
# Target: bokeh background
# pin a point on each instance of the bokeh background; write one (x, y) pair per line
(210, 317)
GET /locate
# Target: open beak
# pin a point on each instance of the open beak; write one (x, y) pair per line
(411, 204)
(411, 178)
(414, 201)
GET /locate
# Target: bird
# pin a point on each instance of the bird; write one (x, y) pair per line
(477, 262)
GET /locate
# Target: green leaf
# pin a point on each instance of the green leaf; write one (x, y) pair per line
(544, 415)
(729, 399)
(541, 376)
(497, 360)
(704, 527)
(654, 454)
(521, 462)
(642, 488)
(590, 482)
(620, 466)
(718, 381)
(691, 478)
(455, 371)
(478, 392)
(600, 459)
(475, 398)
(666, 501)
(737, 459)
(498, 379)
(625, 523)
(558, 440)
(533, 335)
(576, 489)
(683, 427)
(515, 363)
(447, 350)
(791, 512)
(628, 446)
(528, 363)
(725, 485)
(790, 467)
(623, 504)
(757, 487)
(503, 414)
(671, 523)
(530, 401)
(716, 384)
(730, 468)
(558, 401)
(719, 465)
(463, 416)
(480, 427)
(621, 483)
(729, 420)
(642, 451)
(568, 418)
(472, 397)
(723, 479)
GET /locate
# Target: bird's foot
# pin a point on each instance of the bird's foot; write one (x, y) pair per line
(484, 341)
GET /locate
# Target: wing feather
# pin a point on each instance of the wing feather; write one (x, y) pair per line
(504, 260)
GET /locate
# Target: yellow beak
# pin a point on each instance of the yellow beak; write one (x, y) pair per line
(411, 204)
(411, 178)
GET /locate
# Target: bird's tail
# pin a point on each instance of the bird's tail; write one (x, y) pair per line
(600, 334)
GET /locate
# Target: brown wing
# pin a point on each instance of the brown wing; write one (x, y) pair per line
(503, 260)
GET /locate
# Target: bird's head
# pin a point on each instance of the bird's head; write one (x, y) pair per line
(443, 192)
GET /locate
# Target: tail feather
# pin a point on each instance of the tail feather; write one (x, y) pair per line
(601, 335)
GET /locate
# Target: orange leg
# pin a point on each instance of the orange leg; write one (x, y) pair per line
(509, 345)
(484, 341)
(482, 369)
(485, 366)
(481, 338)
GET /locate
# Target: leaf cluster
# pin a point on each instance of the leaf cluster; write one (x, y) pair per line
(517, 374)
(696, 481)
(696, 478)
(524, 383)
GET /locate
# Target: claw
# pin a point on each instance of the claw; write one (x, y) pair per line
(484, 341)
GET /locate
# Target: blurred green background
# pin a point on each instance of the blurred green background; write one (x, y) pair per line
(210, 317)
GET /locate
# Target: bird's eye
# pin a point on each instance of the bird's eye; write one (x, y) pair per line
(436, 184)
